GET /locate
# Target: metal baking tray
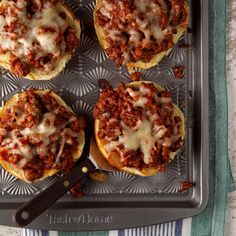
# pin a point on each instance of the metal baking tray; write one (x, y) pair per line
(125, 200)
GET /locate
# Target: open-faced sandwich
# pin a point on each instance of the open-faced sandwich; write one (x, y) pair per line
(39, 135)
(37, 37)
(139, 33)
(138, 129)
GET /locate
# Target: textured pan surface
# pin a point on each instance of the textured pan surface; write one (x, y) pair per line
(78, 86)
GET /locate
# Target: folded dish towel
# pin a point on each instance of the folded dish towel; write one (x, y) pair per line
(211, 221)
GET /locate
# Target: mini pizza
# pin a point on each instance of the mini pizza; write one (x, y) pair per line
(138, 129)
(39, 135)
(139, 33)
(37, 37)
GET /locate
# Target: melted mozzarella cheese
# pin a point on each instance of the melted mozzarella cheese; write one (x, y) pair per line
(116, 35)
(150, 25)
(159, 131)
(2, 22)
(165, 100)
(155, 27)
(141, 138)
(26, 44)
(60, 151)
(48, 18)
(134, 35)
(139, 99)
(156, 30)
(162, 100)
(48, 130)
(22, 163)
(133, 93)
(43, 149)
(42, 128)
(25, 151)
(126, 57)
(152, 117)
(141, 102)
(166, 143)
(107, 5)
(47, 42)
(7, 43)
(144, 90)
(42, 132)
(105, 12)
(111, 146)
(16, 147)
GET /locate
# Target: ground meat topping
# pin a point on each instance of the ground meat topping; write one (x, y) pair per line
(35, 33)
(19, 68)
(136, 30)
(136, 76)
(140, 123)
(38, 134)
(179, 72)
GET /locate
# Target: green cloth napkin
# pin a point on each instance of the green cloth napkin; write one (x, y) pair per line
(212, 220)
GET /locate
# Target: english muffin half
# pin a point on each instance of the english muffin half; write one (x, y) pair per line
(138, 129)
(137, 33)
(39, 135)
(37, 38)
